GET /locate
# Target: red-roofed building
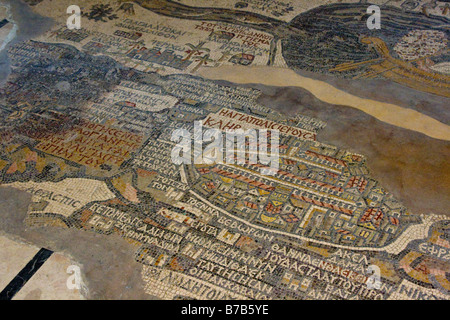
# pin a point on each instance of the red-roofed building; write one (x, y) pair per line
(372, 218)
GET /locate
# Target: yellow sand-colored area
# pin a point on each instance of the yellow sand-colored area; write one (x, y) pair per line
(386, 112)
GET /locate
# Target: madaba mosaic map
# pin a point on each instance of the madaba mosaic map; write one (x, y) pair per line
(222, 150)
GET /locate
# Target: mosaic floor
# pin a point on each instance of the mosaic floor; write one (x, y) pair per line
(94, 206)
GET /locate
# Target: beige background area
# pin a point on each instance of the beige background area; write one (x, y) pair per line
(48, 283)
